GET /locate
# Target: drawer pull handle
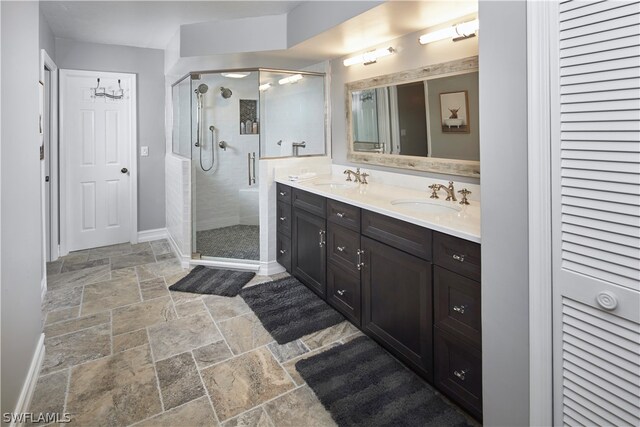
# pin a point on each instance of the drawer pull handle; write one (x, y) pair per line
(322, 242)
(283, 218)
(360, 264)
(283, 251)
(459, 308)
(341, 248)
(341, 215)
(458, 257)
(282, 193)
(341, 292)
(461, 374)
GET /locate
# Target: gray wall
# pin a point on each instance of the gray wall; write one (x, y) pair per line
(148, 64)
(21, 223)
(503, 167)
(47, 40)
(463, 146)
(410, 55)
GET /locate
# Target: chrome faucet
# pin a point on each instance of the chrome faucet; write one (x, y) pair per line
(360, 177)
(451, 192)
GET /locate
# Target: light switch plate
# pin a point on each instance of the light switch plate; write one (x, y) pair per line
(144, 151)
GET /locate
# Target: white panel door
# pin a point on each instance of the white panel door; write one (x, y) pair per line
(97, 138)
(596, 212)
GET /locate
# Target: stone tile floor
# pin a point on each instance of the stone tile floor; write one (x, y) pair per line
(121, 349)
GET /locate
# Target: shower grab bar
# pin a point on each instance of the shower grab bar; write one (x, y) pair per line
(251, 165)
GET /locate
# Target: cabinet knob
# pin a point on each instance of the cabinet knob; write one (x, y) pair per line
(459, 308)
(458, 257)
(607, 300)
(341, 292)
(340, 215)
(461, 374)
(283, 251)
(283, 218)
(341, 248)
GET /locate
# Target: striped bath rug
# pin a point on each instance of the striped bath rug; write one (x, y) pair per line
(288, 309)
(205, 280)
(360, 384)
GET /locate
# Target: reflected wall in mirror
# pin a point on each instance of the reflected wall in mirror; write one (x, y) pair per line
(425, 119)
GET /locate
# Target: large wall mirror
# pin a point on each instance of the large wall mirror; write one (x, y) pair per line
(425, 119)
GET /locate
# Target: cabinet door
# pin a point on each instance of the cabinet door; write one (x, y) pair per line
(397, 303)
(309, 262)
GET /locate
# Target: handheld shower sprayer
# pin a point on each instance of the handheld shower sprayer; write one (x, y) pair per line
(200, 91)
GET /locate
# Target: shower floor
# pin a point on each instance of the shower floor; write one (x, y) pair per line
(236, 241)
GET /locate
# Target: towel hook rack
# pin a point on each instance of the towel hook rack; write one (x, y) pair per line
(102, 92)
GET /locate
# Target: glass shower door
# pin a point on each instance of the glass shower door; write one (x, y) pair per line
(224, 166)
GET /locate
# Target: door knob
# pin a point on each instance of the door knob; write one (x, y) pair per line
(124, 170)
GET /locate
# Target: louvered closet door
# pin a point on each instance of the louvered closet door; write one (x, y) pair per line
(596, 212)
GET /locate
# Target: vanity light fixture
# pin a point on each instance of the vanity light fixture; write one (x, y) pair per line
(290, 79)
(457, 32)
(264, 87)
(368, 58)
(235, 75)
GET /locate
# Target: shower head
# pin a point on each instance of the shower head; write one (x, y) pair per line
(226, 93)
(202, 88)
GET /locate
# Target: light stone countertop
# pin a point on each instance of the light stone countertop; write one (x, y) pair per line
(377, 197)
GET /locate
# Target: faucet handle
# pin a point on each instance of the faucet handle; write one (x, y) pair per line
(464, 193)
(348, 173)
(434, 191)
(363, 177)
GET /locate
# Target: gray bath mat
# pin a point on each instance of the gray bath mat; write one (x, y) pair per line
(288, 309)
(204, 280)
(360, 384)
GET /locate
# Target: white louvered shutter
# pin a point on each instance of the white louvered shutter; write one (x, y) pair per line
(596, 212)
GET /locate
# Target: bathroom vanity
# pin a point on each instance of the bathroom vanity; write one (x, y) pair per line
(409, 280)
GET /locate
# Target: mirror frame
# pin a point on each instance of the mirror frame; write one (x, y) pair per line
(470, 168)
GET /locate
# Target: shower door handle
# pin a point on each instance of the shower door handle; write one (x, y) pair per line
(251, 167)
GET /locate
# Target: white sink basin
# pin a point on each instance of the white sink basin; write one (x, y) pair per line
(426, 206)
(335, 185)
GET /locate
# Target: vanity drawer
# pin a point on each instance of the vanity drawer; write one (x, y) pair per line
(343, 291)
(401, 235)
(342, 246)
(457, 304)
(283, 248)
(283, 218)
(459, 255)
(284, 193)
(309, 202)
(343, 214)
(458, 368)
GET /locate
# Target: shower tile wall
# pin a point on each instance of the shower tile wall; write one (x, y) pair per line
(293, 113)
(217, 191)
(178, 202)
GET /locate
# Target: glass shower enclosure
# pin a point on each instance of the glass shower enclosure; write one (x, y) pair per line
(225, 122)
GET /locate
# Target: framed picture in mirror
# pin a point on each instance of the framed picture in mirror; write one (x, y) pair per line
(454, 112)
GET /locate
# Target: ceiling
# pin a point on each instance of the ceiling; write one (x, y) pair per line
(149, 24)
(152, 24)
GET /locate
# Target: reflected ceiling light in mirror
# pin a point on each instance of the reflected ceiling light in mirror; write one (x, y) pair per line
(264, 87)
(368, 58)
(290, 79)
(235, 75)
(457, 32)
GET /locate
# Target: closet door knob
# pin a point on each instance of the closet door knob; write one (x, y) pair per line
(124, 170)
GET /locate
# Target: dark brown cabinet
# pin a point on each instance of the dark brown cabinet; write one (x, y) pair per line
(397, 303)
(415, 291)
(309, 255)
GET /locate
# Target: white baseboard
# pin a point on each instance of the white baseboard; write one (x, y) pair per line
(43, 287)
(184, 260)
(29, 386)
(270, 268)
(149, 235)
